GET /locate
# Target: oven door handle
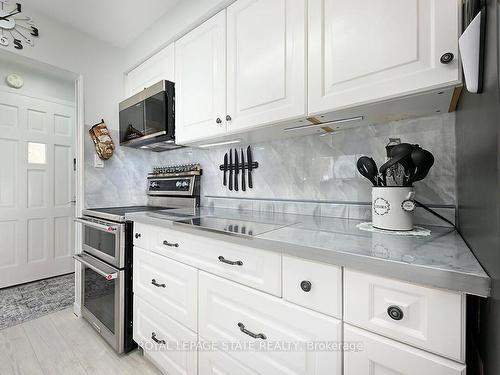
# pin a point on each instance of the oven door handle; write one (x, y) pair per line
(106, 228)
(109, 273)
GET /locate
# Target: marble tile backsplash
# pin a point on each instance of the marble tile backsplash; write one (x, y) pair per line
(307, 169)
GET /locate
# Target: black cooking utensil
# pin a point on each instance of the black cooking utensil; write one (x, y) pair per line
(401, 154)
(224, 182)
(243, 183)
(367, 167)
(231, 169)
(249, 161)
(423, 161)
(236, 169)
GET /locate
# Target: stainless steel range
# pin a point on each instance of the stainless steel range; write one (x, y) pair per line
(106, 261)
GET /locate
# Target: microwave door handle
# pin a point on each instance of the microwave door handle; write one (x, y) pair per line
(107, 276)
(107, 228)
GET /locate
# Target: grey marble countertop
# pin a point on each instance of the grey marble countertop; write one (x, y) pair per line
(440, 260)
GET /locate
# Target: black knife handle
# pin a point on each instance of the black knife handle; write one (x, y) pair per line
(250, 181)
(224, 181)
(230, 177)
(236, 169)
(243, 184)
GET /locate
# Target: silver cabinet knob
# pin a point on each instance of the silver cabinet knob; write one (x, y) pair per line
(218, 121)
(228, 118)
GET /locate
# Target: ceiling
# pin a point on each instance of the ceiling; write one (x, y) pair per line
(117, 22)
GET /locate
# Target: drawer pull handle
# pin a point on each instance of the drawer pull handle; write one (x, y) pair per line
(251, 334)
(306, 286)
(158, 285)
(137, 235)
(395, 312)
(153, 337)
(232, 263)
(166, 243)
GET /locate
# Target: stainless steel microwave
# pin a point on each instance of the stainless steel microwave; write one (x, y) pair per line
(147, 119)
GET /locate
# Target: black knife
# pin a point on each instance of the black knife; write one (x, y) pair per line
(237, 169)
(249, 161)
(243, 183)
(224, 182)
(231, 169)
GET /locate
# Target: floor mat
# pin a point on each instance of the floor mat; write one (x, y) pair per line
(25, 302)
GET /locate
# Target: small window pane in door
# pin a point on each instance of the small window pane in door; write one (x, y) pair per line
(37, 153)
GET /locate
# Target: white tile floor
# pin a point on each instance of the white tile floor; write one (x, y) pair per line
(61, 343)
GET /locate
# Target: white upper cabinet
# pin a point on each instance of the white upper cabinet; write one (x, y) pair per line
(370, 50)
(266, 56)
(156, 68)
(200, 81)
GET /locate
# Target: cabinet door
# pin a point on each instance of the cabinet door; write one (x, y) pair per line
(370, 354)
(266, 57)
(156, 68)
(170, 286)
(277, 338)
(200, 81)
(168, 344)
(369, 50)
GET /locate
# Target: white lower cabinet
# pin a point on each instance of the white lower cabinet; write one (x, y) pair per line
(277, 333)
(167, 343)
(313, 285)
(253, 267)
(216, 362)
(381, 356)
(429, 318)
(198, 313)
(170, 286)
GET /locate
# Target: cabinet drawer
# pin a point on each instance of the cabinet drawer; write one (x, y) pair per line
(170, 355)
(313, 285)
(379, 355)
(256, 268)
(141, 235)
(428, 318)
(230, 312)
(216, 362)
(170, 286)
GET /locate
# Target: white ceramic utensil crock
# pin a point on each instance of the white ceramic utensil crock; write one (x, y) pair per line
(392, 207)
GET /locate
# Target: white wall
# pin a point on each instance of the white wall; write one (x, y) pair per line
(38, 81)
(100, 64)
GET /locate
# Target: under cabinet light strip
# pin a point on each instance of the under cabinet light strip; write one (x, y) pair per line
(219, 143)
(323, 124)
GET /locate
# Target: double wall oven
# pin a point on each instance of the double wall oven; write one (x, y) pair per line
(107, 244)
(107, 279)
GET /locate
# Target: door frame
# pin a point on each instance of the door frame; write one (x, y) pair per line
(80, 185)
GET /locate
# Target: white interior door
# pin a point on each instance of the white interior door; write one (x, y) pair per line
(36, 188)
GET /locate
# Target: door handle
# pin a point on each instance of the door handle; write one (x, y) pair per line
(251, 334)
(232, 263)
(107, 275)
(166, 243)
(158, 285)
(153, 337)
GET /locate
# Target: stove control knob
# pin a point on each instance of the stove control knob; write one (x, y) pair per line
(154, 185)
